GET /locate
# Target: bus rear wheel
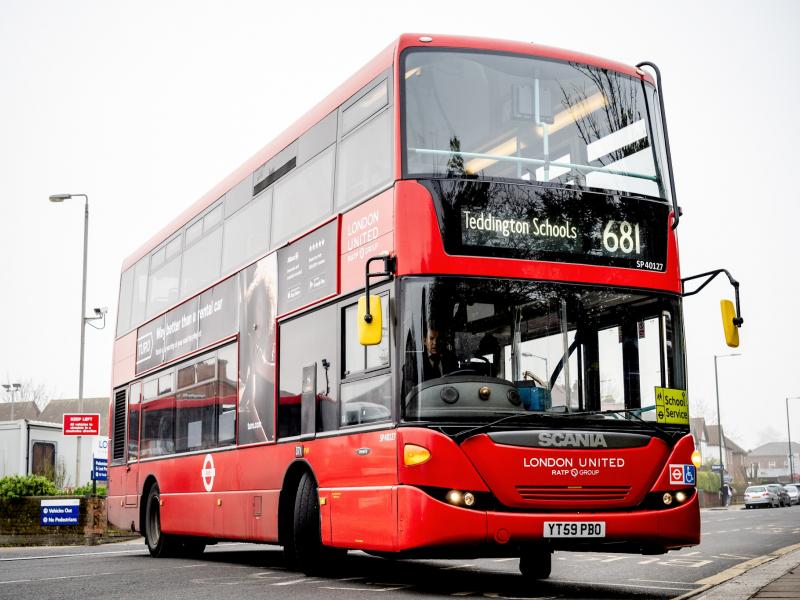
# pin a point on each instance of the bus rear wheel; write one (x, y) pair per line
(536, 564)
(159, 544)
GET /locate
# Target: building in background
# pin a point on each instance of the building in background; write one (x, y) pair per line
(699, 430)
(33, 443)
(770, 462)
(734, 456)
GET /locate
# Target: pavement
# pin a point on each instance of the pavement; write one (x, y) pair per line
(773, 576)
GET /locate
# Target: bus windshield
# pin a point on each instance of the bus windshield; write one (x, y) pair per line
(536, 347)
(495, 116)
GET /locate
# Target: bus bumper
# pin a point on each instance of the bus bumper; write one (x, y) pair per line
(424, 522)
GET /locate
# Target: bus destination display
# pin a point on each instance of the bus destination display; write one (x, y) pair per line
(512, 221)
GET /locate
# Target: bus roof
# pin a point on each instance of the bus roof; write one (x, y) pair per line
(362, 77)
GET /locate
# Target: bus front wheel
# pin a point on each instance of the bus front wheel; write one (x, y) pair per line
(536, 564)
(308, 552)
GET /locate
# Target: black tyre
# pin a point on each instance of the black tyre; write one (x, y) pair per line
(536, 565)
(159, 544)
(308, 552)
(306, 531)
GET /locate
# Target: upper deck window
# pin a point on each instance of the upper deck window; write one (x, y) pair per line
(493, 116)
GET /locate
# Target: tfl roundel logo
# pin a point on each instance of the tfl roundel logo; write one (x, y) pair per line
(208, 473)
(682, 475)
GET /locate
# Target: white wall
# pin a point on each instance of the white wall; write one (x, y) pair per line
(14, 451)
(12, 460)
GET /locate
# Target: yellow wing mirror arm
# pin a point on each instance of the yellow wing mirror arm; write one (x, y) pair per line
(370, 319)
(731, 316)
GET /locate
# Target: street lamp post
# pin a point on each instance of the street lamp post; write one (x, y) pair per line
(789, 436)
(12, 388)
(719, 426)
(61, 198)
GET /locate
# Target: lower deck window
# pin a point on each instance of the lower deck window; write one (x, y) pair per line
(201, 414)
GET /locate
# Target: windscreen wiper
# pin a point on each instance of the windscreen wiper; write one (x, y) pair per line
(636, 413)
(466, 433)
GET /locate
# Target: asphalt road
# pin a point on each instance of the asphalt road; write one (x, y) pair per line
(244, 571)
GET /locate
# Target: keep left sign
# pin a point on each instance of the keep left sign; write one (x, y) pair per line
(81, 424)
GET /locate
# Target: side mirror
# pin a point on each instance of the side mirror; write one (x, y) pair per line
(370, 322)
(728, 323)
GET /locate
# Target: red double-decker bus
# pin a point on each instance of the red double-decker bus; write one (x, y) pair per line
(440, 315)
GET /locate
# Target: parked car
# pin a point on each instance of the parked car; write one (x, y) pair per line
(782, 494)
(760, 495)
(794, 493)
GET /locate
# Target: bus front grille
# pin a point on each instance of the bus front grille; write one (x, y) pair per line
(573, 493)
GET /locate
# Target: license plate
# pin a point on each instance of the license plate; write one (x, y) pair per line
(574, 529)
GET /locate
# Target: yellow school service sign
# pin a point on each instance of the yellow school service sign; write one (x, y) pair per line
(672, 406)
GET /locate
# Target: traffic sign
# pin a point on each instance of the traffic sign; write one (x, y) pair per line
(100, 469)
(81, 424)
(63, 511)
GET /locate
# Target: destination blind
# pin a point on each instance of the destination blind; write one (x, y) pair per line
(555, 224)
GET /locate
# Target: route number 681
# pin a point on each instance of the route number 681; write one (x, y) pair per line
(622, 236)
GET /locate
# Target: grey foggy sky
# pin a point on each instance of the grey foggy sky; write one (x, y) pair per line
(144, 106)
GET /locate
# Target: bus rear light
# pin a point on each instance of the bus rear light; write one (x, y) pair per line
(697, 459)
(415, 455)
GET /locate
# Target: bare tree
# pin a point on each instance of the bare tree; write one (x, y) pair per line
(29, 391)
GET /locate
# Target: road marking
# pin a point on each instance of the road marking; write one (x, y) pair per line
(735, 570)
(142, 552)
(498, 595)
(364, 589)
(632, 585)
(293, 581)
(55, 578)
(507, 559)
(660, 581)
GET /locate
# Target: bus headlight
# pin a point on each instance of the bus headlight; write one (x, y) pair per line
(680, 497)
(667, 498)
(455, 497)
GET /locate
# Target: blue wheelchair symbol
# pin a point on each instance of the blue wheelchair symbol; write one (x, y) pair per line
(689, 474)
